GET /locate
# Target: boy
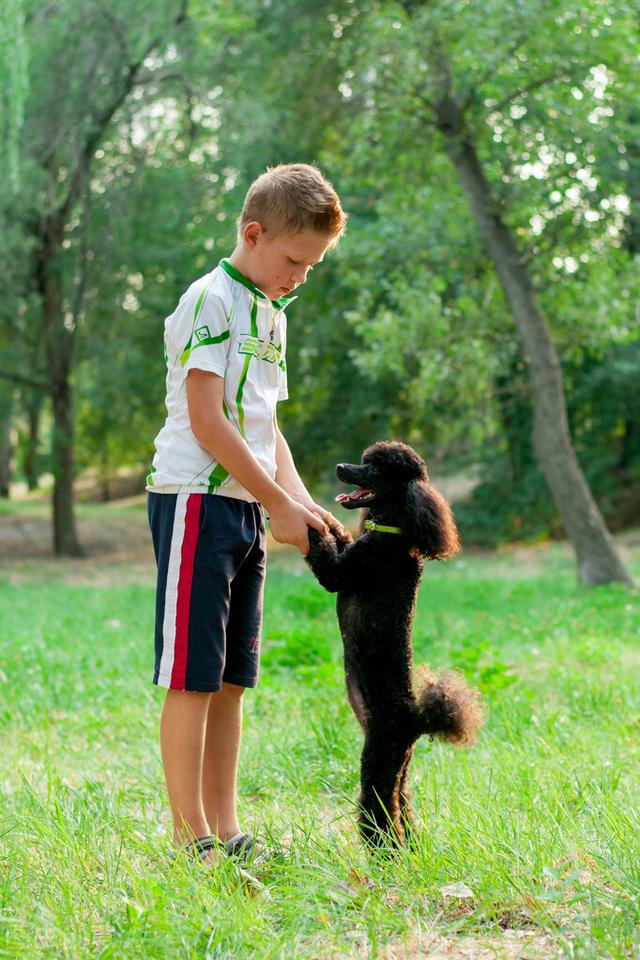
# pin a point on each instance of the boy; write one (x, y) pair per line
(220, 461)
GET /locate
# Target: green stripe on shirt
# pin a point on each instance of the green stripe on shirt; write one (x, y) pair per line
(245, 369)
(206, 341)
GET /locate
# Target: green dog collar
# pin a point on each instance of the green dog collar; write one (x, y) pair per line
(379, 528)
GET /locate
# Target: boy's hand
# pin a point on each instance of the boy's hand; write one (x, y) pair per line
(332, 522)
(289, 522)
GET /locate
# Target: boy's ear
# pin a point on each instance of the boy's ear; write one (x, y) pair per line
(252, 234)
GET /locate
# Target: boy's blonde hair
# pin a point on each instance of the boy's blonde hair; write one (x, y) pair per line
(293, 197)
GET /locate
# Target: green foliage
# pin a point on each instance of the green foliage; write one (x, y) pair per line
(427, 326)
(404, 330)
(149, 239)
(13, 88)
(512, 500)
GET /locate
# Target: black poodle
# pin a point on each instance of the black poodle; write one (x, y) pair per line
(405, 521)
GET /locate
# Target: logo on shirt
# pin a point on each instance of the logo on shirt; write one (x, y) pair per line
(260, 349)
(202, 333)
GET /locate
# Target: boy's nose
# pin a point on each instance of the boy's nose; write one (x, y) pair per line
(299, 275)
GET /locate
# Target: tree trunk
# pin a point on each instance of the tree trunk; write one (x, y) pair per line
(30, 460)
(105, 487)
(6, 405)
(65, 540)
(59, 353)
(598, 561)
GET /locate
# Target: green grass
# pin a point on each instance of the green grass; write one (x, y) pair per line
(539, 820)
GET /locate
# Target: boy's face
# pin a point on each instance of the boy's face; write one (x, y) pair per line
(280, 262)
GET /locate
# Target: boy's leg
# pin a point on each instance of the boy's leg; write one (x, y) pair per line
(220, 767)
(182, 738)
(224, 724)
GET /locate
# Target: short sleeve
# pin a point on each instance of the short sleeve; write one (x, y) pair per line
(205, 343)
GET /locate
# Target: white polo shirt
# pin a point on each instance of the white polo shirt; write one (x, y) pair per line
(225, 325)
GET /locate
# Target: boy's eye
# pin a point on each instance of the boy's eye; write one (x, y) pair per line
(297, 263)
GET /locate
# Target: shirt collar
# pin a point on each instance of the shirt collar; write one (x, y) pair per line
(235, 274)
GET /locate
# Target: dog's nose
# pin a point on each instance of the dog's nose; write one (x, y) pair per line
(339, 466)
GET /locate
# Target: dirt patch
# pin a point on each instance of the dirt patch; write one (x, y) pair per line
(114, 537)
(512, 945)
(117, 545)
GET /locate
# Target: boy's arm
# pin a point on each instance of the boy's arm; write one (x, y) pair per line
(290, 480)
(289, 519)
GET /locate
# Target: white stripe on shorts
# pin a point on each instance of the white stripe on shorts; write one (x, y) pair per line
(171, 592)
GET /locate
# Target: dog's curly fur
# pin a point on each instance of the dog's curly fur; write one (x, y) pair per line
(377, 578)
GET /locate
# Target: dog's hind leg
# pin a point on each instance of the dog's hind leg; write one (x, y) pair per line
(404, 797)
(381, 767)
(357, 702)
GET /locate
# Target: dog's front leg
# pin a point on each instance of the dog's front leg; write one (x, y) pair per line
(338, 564)
(341, 536)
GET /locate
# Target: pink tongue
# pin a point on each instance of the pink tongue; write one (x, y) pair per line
(356, 495)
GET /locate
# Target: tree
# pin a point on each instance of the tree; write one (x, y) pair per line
(73, 103)
(450, 81)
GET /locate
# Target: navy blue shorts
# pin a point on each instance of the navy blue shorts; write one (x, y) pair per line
(211, 556)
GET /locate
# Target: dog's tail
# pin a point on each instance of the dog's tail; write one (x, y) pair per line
(447, 707)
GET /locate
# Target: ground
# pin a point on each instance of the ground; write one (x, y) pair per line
(530, 841)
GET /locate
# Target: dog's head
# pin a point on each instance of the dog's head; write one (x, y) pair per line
(393, 488)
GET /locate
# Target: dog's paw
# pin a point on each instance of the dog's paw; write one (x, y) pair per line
(343, 539)
(338, 531)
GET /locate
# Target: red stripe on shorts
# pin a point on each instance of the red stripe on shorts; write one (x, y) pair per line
(183, 604)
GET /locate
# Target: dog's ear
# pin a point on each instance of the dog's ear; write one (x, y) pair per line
(429, 522)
